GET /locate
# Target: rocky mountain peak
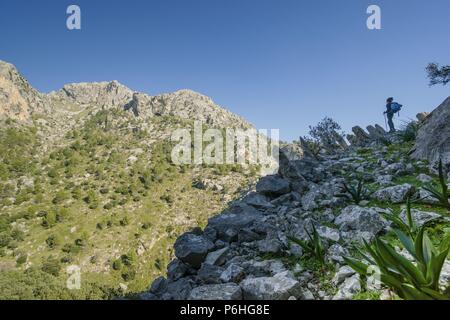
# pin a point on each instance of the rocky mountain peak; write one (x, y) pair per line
(18, 99)
(97, 93)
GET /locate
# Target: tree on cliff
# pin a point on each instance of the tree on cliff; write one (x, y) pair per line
(438, 74)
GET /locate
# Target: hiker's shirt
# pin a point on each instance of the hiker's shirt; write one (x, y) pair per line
(389, 109)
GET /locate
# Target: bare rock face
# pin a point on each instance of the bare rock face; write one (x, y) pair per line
(18, 99)
(98, 93)
(433, 139)
(361, 137)
(188, 104)
(421, 116)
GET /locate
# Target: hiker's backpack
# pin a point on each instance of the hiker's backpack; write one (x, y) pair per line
(396, 107)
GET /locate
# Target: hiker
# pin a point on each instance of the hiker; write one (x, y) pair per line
(391, 109)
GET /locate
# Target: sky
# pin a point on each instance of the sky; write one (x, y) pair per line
(281, 64)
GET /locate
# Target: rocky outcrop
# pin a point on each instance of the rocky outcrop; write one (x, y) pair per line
(433, 138)
(18, 99)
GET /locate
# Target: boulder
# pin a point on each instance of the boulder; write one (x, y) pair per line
(209, 274)
(336, 253)
(279, 287)
(258, 200)
(225, 291)
(420, 217)
(237, 217)
(176, 269)
(158, 286)
(178, 290)
(385, 180)
(343, 273)
(328, 233)
(217, 257)
(361, 137)
(350, 287)
(192, 249)
(273, 185)
(424, 178)
(360, 219)
(422, 116)
(433, 137)
(233, 273)
(269, 246)
(395, 194)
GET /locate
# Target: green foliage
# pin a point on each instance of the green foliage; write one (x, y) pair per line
(441, 194)
(51, 266)
(409, 226)
(117, 264)
(409, 131)
(53, 241)
(355, 192)
(327, 133)
(16, 152)
(312, 145)
(21, 260)
(411, 281)
(438, 74)
(313, 247)
(71, 248)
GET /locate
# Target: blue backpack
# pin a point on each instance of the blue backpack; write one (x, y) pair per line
(396, 107)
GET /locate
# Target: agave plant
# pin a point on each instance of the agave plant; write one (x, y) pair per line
(418, 280)
(313, 246)
(355, 192)
(409, 226)
(442, 194)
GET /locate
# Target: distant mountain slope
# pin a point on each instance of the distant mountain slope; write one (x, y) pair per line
(86, 179)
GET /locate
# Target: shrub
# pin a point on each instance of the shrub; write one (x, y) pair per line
(21, 260)
(49, 219)
(409, 131)
(117, 264)
(51, 266)
(60, 197)
(71, 248)
(128, 275)
(328, 133)
(17, 235)
(124, 221)
(53, 241)
(355, 192)
(313, 246)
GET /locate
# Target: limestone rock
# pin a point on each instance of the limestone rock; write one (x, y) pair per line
(226, 291)
(395, 194)
(278, 287)
(433, 137)
(192, 249)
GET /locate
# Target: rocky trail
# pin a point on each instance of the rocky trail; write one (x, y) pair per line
(247, 251)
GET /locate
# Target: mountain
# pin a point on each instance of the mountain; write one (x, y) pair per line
(86, 179)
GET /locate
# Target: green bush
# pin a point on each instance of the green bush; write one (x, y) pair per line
(53, 241)
(51, 266)
(21, 260)
(117, 264)
(313, 247)
(354, 192)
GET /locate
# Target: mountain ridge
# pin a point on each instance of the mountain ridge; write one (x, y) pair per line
(20, 100)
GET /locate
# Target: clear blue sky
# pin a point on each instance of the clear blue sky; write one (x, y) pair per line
(279, 63)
